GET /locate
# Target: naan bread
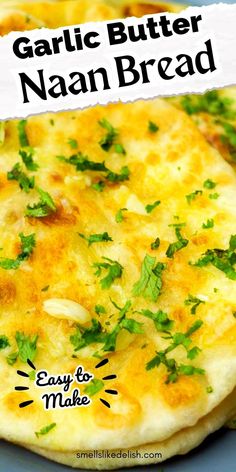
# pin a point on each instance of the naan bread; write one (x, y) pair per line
(169, 161)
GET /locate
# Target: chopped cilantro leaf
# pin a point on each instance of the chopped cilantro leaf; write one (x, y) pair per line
(210, 102)
(209, 224)
(155, 244)
(191, 196)
(108, 140)
(94, 387)
(119, 215)
(26, 183)
(179, 244)
(82, 163)
(119, 148)
(209, 389)
(23, 139)
(99, 186)
(214, 196)
(149, 208)
(96, 238)
(114, 269)
(100, 309)
(85, 336)
(222, 259)
(27, 346)
(209, 184)
(27, 158)
(44, 207)
(12, 358)
(194, 301)
(27, 245)
(4, 342)
(73, 143)
(121, 177)
(45, 430)
(160, 319)
(150, 283)
(152, 127)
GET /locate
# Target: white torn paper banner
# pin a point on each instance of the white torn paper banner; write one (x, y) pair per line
(83, 65)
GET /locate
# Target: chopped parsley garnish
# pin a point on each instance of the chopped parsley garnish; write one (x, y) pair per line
(27, 245)
(12, 358)
(100, 309)
(152, 127)
(155, 244)
(192, 196)
(44, 207)
(114, 271)
(45, 430)
(209, 184)
(99, 186)
(209, 389)
(108, 140)
(27, 158)
(119, 215)
(94, 387)
(222, 259)
(27, 346)
(73, 143)
(26, 183)
(121, 177)
(4, 342)
(173, 369)
(96, 238)
(45, 289)
(82, 163)
(96, 334)
(194, 301)
(119, 148)
(149, 208)
(23, 139)
(150, 283)
(210, 102)
(214, 196)
(209, 224)
(179, 244)
(160, 319)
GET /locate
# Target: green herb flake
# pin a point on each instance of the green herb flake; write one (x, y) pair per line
(114, 271)
(23, 139)
(45, 289)
(194, 301)
(12, 358)
(98, 186)
(209, 224)
(161, 320)
(152, 127)
(94, 387)
(27, 245)
(121, 177)
(100, 309)
(210, 102)
(44, 207)
(4, 342)
(27, 346)
(149, 208)
(119, 148)
(214, 196)
(155, 244)
(209, 389)
(82, 163)
(222, 259)
(209, 184)
(192, 196)
(119, 215)
(45, 430)
(16, 173)
(150, 283)
(27, 158)
(73, 143)
(96, 238)
(179, 244)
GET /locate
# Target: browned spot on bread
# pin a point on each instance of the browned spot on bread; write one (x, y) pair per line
(16, 21)
(186, 390)
(59, 217)
(141, 9)
(7, 291)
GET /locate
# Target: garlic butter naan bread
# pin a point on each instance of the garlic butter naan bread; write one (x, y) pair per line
(118, 241)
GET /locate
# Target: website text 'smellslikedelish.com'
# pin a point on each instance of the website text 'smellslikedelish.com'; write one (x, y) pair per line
(118, 454)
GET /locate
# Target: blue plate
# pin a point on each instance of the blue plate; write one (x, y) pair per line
(215, 454)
